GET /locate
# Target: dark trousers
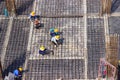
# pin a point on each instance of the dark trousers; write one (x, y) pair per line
(37, 26)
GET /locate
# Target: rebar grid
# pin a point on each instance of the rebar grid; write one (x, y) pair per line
(51, 69)
(59, 7)
(65, 63)
(24, 7)
(16, 49)
(93, 6)
(95, 45)
(72, 31)
(3, 29)
(2, 7)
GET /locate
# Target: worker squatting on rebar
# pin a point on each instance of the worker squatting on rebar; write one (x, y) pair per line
(45, 51)
(37, 23)
(33, 17)
(55, 36)
(53, 32)
(18, 73)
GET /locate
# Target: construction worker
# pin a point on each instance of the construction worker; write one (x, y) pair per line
(54, 32)
(55, 40)
(32, 16)
(18, 73)
(44, 51)
(37, 23)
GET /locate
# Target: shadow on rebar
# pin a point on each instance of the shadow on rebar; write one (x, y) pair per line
(15, 64)
(24, 7)
(115, 5)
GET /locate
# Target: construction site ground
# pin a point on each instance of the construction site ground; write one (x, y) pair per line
(83, 31)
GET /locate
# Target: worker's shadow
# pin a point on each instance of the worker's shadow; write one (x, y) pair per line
(14, 65)
(115, 5)
(24, 6)
(60, 41)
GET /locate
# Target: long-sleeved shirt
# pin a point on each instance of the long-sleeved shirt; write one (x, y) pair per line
(54, 40)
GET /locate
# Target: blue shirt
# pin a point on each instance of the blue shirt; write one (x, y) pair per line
(16, 72)
(42, 52)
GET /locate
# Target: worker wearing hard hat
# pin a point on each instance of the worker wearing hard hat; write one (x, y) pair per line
(44, 51)
(32, 16)
(55, 40)
(37, 23)
(54, 32)
(18, 73)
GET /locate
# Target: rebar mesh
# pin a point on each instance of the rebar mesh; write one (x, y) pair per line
(96, 45)
(3, 29)
(81, 43)
(17, 45)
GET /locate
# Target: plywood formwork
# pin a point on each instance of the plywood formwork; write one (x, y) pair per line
(112, 52)
(106, 6)
(10, 4)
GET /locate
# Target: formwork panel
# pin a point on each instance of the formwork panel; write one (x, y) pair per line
(114, 23)
(95, 45)
(72, 31)
(93, 6)
(52, 69)
(59, 7)
(17, 45)
(3, 29)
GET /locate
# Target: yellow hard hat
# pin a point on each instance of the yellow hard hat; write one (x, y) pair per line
(33, 13)
(57, 37)
(20, 69)
(56, 30)
(42, 48)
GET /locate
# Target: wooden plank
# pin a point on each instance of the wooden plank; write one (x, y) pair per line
(112, 51)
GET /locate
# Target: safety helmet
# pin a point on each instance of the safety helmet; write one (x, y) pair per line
(57, 37)
(20, 69)
(51, 29)
(56, 30)
(33, 13)
(42, 48)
